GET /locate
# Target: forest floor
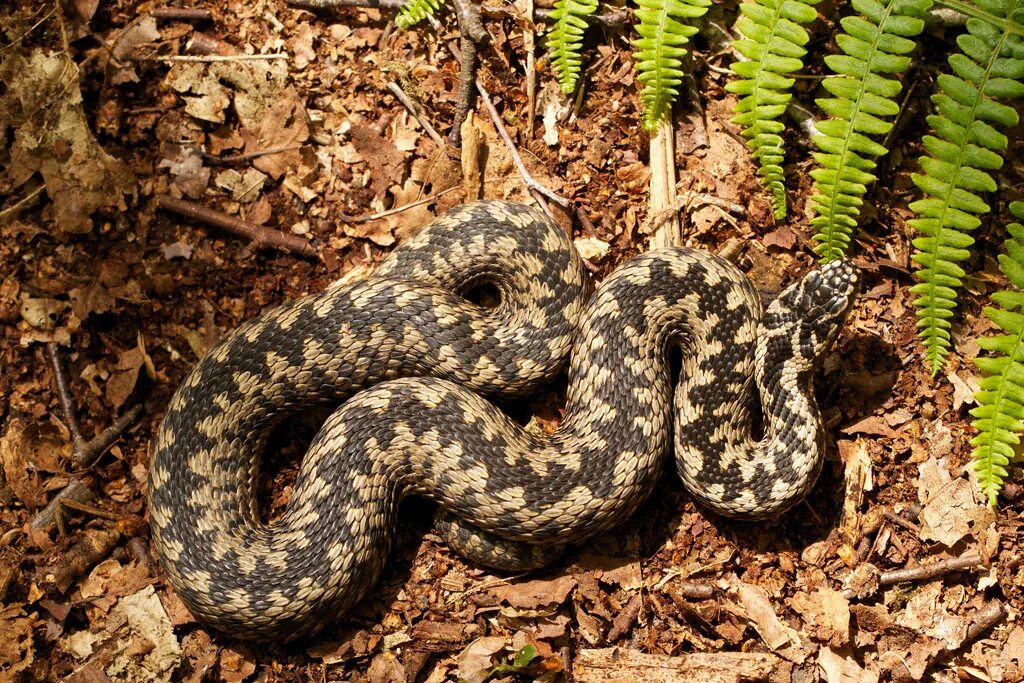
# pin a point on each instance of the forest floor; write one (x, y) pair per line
(126, 296)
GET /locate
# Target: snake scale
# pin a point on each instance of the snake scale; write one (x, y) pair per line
(412, 358)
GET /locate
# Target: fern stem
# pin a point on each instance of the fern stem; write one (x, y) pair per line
(969, 9)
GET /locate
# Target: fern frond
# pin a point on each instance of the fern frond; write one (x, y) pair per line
(773, 41)
(659, 51)
(565, 40)
(873, 44)
(415, 11)
(999, 417)
(966, 147)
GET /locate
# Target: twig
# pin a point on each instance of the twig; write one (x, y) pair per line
(470, 23)
(397, 209)
(98, 445)
(67, 401)
(984, 619)
(688, 199)
(75, 490)
(900, 521)
(262, 238)
(612, 20)
(77, 506)
(331, 4)
(624, 619)
(467, 75)
(930, 571)
(527, 178)
(215, 58)
(667, 231)
(12, 211)
(91, 548)
(249, 155)
(182, 14)
(530, 47)
(414, 109)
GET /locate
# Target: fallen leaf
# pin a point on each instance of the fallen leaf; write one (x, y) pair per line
(826, 614)
(122, 380)
(782, 237)
(951, 510)
(535, 594)
(776, 635)
(478, 658)
(244, 187)
(146, 618)
(51, 136)
(843, 668)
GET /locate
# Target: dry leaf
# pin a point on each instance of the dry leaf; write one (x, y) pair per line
(478, 658)
(535, 594)
(43, 106)
(843, 668)
(776, 635)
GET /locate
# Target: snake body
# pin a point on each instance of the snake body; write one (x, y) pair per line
(423, 428)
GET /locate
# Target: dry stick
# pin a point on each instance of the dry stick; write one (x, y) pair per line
(75, 490)
(248, 156)
(414, 109)
(900, 521)
(467, 75)
(262, 238)
(331, 4)
(397, 209)
(662, 197)
(84, 453)
(930, 571)
(624, 620)
(182, 14)
(140, 551)
(530, 46)
(12, 210)
(77, 506)
(102, 441)
(67, 402)
(215, 58)
(527, 178)
(695, 591)
(689, 198)
(468, 14)
(984, 619)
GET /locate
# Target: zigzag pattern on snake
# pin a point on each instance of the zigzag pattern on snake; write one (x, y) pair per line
(424, 429)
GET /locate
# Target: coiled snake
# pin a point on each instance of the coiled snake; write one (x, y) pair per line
(422, 427)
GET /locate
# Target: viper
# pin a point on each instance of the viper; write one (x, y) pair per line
(412, 361)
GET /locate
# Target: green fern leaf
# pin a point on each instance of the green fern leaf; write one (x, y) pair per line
(773, 41)
(966, 148)
(415, 11)
(873, 44)
(565, 40)
(659, 51)
(999, 417)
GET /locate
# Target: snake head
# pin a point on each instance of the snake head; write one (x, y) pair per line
(814, 307)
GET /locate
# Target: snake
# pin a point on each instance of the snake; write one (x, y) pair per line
(415, 364)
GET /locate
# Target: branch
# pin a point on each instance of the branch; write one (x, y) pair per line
(262, 238)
